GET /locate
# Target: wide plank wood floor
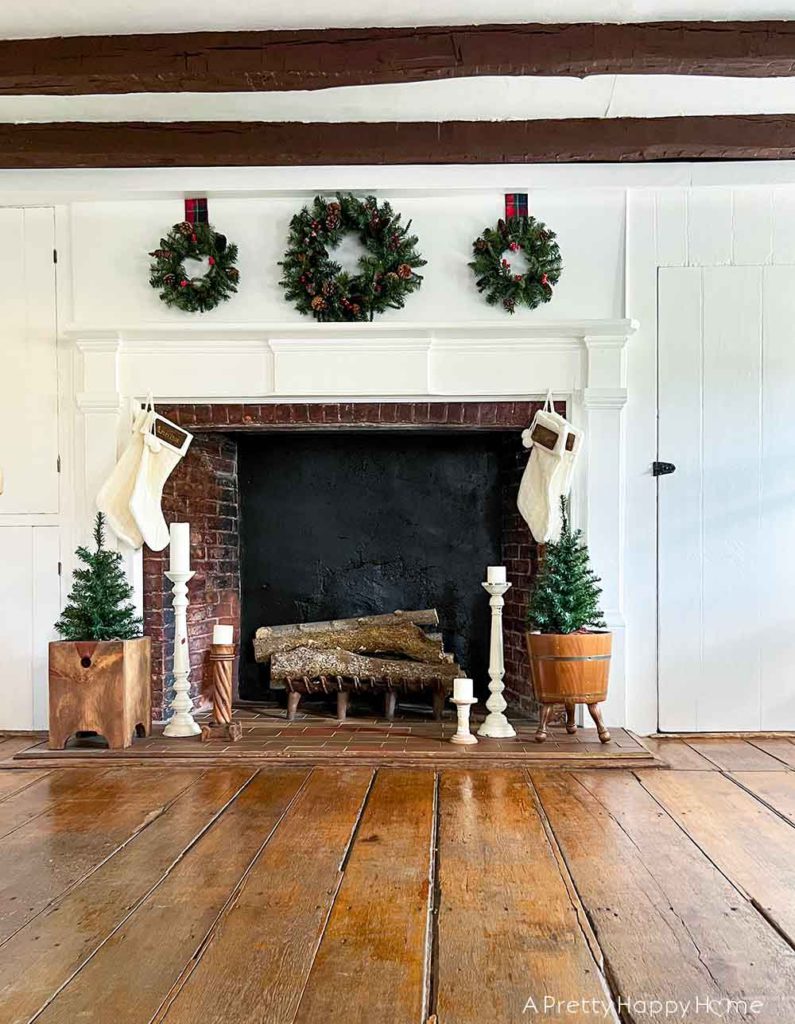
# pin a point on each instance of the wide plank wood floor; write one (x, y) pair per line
(273, 895)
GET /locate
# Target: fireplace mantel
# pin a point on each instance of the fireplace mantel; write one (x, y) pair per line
(582, 362)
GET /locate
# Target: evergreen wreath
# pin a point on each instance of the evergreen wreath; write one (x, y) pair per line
(387, 270)
(194, 294)
(99, 605)
(493, 271)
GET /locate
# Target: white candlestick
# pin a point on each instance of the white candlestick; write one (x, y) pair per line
(179, 551)
(462, 734)
(181, 722)
(496, 725)
(462, 689)
(496, 574)
(223, 634)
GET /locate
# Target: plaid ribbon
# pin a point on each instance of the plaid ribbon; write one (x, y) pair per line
(196, 211)
(515, 204)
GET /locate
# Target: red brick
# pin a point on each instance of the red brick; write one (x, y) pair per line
(487, 414)
(390, 412)
(471, 413)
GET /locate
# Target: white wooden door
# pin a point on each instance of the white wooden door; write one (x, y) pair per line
(30, 599)
(726, 576)
(28, 365)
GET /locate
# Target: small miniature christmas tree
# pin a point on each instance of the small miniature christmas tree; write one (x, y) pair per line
(99, 607)
(565, 594)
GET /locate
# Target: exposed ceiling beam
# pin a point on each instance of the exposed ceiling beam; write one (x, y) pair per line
(318, 59)
(236, 143)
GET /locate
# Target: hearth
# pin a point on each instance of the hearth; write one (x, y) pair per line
(307, 512)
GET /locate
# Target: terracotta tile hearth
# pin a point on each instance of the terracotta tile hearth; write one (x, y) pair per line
(204, 491)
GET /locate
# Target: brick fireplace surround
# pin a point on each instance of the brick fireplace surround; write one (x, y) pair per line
(203, 490)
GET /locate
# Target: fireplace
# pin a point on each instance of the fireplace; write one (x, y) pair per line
(314, 511)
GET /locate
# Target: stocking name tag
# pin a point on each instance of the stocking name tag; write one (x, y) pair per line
(165, 430)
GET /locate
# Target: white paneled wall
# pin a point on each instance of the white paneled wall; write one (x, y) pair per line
(726, 246)
(111, 240)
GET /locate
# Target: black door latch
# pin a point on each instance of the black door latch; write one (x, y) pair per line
(662, 468)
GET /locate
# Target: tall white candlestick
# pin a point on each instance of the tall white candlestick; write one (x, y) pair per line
(181, 722)
(496, 724)
(179, 551)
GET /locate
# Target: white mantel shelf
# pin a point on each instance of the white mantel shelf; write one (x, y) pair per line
(516, 327)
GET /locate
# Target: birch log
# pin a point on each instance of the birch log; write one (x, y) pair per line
(363, 636)
(314, 662)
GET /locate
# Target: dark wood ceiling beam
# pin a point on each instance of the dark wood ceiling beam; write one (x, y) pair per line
(321, 58)
(218, 144)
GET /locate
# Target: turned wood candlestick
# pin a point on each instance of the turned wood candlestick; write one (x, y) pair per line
(222, 659)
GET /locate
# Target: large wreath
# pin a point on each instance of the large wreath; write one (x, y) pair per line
(194, 294)
(493, 270)
(387, 270)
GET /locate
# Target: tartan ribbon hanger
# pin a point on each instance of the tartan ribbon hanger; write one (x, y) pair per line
(196, 211)
(515, 205)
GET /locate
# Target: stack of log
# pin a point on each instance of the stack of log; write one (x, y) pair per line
(390, 654)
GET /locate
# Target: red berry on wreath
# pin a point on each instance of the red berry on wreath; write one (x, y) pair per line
(211, 261)
(506, 264)
(517, 278)
(193, 238)
(544, 280)
(514, 247)
(183, 283)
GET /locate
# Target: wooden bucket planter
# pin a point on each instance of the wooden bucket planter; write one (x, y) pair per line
(570, 669)
(100, 686)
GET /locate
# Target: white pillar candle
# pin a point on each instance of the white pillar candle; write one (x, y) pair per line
(496, 574)
(223, 634)
(462, 689)
(179, 552)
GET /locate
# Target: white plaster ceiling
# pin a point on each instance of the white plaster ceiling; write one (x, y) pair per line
(21, 19)
(467, 99)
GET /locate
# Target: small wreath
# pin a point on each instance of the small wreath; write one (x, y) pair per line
(493, 271)
(194, 294)
(387, 270)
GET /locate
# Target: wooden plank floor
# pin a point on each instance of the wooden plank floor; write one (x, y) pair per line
(295, 895)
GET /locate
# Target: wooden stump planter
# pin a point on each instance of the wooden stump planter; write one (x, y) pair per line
(570, 669)
(100, 686)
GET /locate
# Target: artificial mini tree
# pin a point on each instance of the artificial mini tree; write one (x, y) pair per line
(567, 640)
(98, 606)
(565, 594)
(101, 671)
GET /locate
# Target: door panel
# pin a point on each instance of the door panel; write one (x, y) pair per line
(30, 599)
(28, 381)
(726, 600)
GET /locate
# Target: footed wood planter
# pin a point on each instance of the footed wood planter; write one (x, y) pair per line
(100, 686)
(570, 669)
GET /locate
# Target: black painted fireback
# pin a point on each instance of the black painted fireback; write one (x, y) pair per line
(344, 523)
